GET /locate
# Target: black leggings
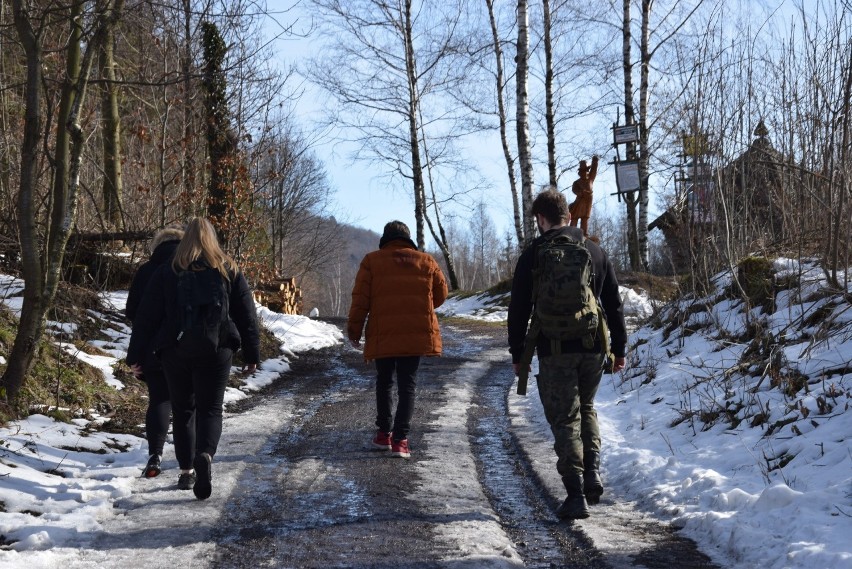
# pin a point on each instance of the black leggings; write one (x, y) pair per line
(197, 388)
(159, 412)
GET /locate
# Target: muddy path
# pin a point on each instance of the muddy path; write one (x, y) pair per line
(472, 494)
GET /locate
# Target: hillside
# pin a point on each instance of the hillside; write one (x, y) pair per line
(732, 419)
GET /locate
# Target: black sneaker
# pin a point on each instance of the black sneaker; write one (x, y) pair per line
(186, 480)
(203, 483)
(152, 469)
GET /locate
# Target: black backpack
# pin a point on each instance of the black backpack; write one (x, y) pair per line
(202, 297)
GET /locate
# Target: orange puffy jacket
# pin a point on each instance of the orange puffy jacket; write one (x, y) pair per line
(399, 287)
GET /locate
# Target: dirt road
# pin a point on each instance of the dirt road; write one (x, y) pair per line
(472, 494)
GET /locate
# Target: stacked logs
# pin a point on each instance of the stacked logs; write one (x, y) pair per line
(280, 295)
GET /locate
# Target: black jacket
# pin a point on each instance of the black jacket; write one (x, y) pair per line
(162, 254)
(156, 325)
(604, 283)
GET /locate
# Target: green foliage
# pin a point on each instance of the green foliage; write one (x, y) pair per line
(214, 77)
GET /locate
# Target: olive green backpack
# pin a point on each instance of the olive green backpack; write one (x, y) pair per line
(564, 302)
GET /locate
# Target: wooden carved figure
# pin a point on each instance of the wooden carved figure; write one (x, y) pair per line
(581, 208)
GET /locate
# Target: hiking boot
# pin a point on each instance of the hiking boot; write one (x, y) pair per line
(152, 469)
(573, 508)
(592, 485)
(204, 476)
(400, 448)
(382, 440)
(186, 480)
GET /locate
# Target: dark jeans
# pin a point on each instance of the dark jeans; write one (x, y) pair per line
(159, 412)
(197, 389)
(406, 381)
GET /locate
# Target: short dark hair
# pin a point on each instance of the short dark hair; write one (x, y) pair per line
(396, 227)
(552, 205)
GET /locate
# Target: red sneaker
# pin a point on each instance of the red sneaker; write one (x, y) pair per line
(382, 440)
(400, 448)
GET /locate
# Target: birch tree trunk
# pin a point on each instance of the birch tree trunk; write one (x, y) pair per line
(629, 118)
(440, 236)
(501, 112)
(414, 138)
(644, 149)
(548, 96)
(522, 118)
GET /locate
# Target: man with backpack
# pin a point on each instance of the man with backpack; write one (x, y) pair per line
(568, 285)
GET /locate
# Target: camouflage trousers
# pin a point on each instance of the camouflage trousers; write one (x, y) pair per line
(567, 385)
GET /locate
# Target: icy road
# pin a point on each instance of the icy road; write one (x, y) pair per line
(297, 484)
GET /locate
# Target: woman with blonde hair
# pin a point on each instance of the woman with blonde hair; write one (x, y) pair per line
(197, 372)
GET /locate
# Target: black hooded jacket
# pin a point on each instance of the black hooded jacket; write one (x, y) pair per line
(157, 325)
(161, 255)
(604, 284)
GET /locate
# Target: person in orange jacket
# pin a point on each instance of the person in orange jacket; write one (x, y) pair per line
(398, 287)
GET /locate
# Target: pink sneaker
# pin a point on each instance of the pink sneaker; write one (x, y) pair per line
(382, 440)
(400, 448)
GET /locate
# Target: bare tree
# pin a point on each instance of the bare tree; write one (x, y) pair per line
(502, 116)
(113, 187)
(485, 247)
(383, 64)
(550, 125)
(295, 200)
(522, 120)
(42, 266)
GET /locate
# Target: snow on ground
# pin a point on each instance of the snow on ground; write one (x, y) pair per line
(474, 528)
(748, 498)
(477, 307)
(40, 510)
(776, 495)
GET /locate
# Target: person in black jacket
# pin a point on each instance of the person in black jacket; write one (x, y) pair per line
(568, 381)
(196, 384)
(158, 414)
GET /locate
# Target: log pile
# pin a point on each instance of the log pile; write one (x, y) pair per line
(280, 295)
